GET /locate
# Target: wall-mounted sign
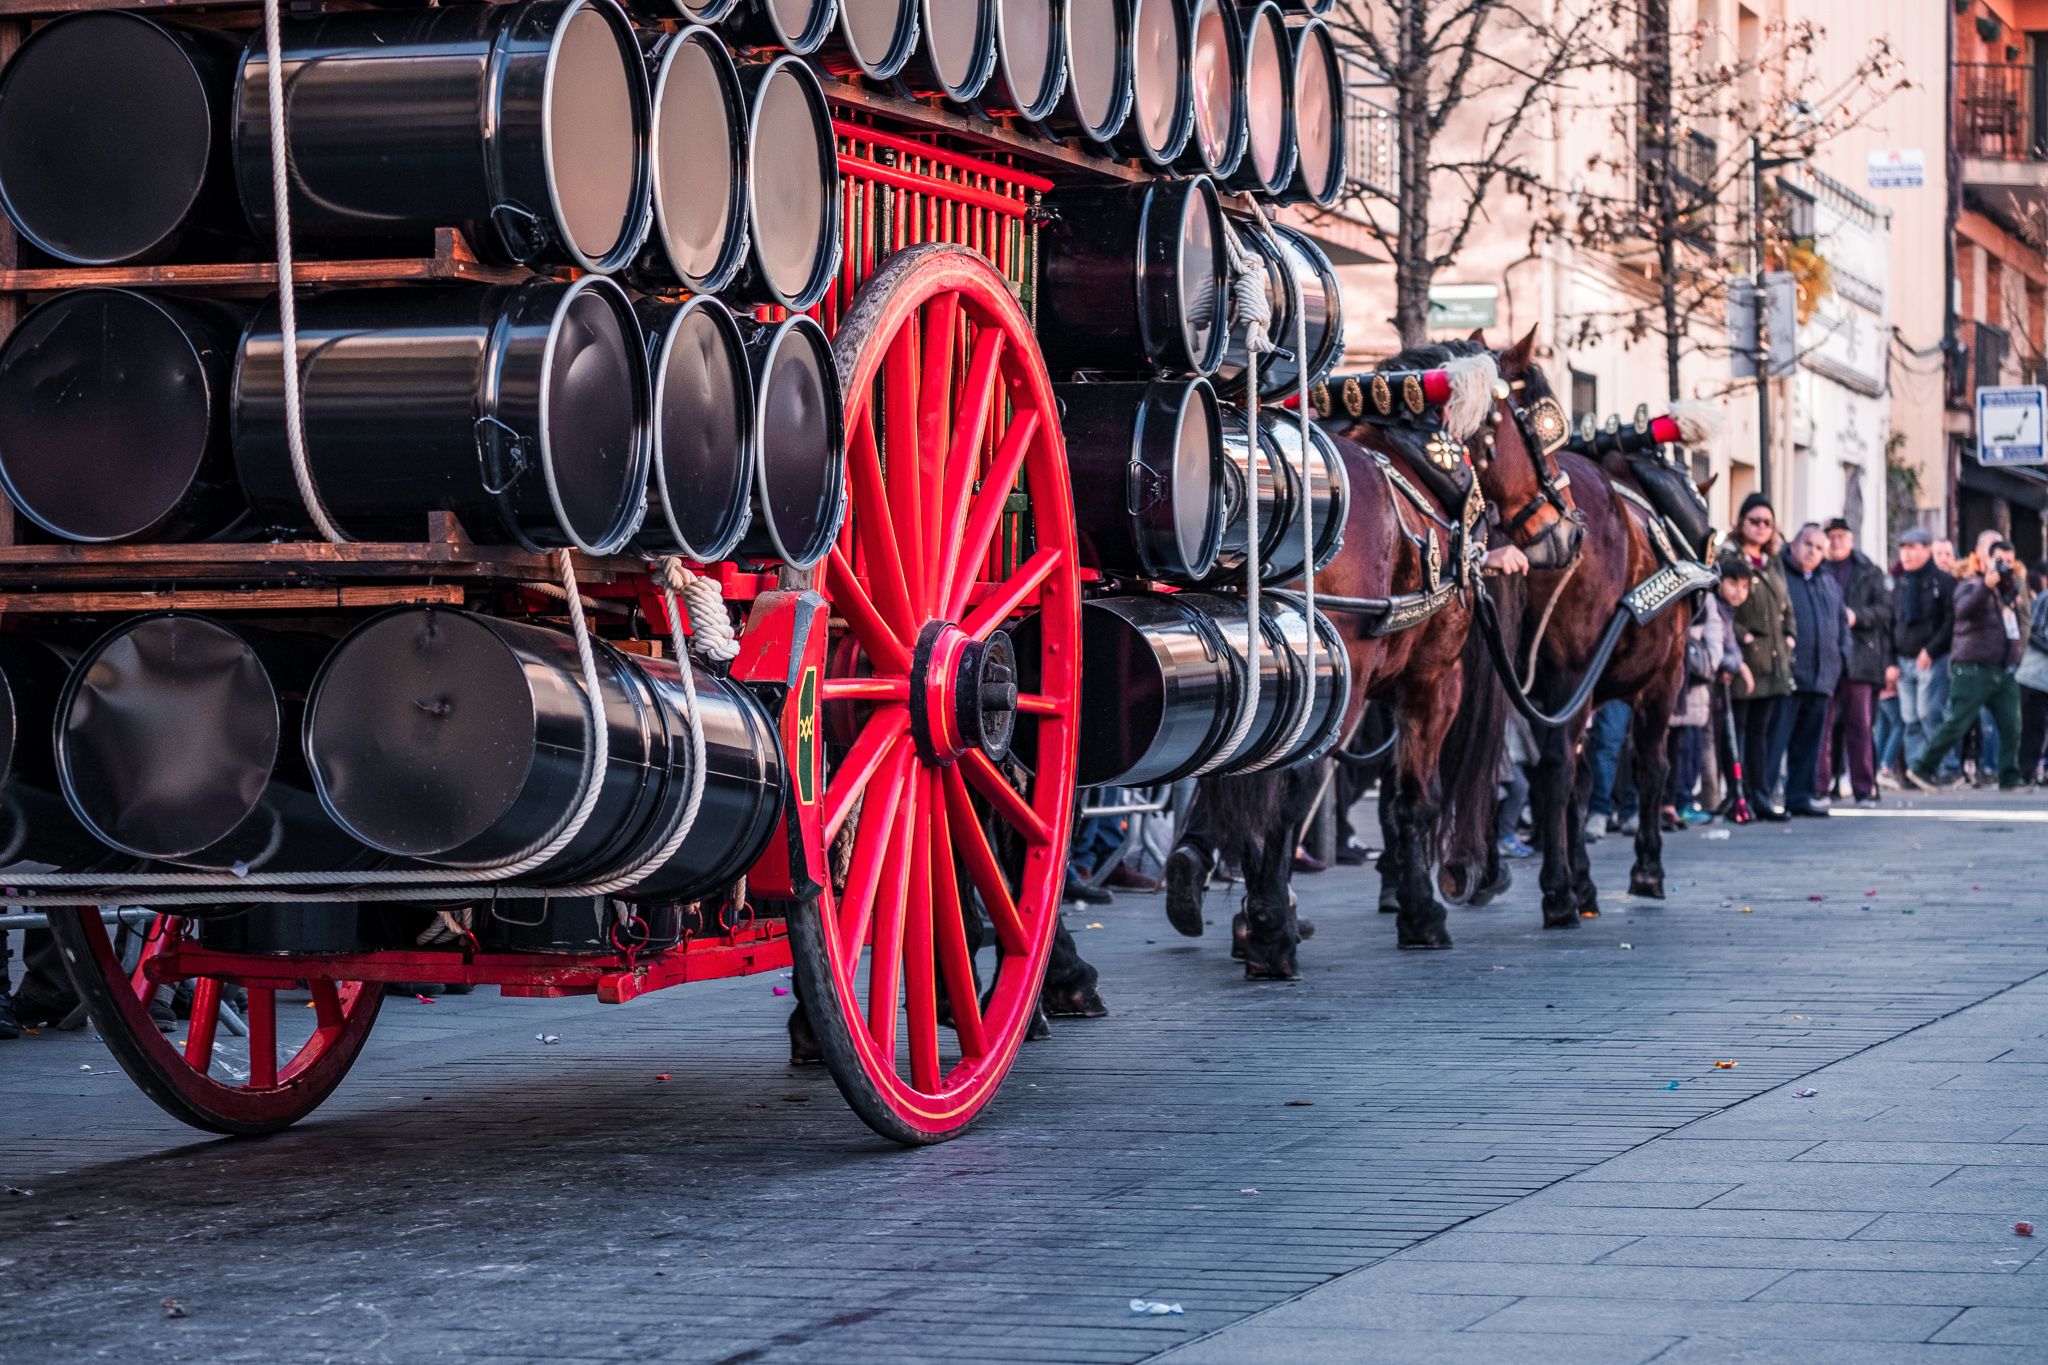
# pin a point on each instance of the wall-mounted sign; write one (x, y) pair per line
(2012, 425)
(1463, 307)
(1898, 169)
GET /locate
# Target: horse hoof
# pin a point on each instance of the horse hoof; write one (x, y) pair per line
(803, 1044)
(1041, 1027)
(1073, 1002)
(1641, 885)
(1304, 928)
(1272, 969)
(1567, 918)
(1494, 890)
(1186, 879)
(1390, 901)
(1240, 932)
(1426, 940)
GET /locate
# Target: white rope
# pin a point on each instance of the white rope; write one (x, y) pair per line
(287, 305)
(1257, 309)
(1308, 530)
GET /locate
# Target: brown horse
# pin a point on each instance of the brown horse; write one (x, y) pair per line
(1399, 542)
(1570, 605)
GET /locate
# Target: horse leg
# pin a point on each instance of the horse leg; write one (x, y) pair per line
(1188, 868)
(1653, 771)
(1425, 717)
(1271, 934)
(1583, 890)
(1389, 863)
(1069, 990)
(1550, 799)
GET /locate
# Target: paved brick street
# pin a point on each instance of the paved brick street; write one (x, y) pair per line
(1520, 1150)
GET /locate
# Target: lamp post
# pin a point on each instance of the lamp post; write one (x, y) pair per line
(1758, 165)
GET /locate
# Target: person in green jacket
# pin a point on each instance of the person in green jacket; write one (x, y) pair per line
(1763, 626)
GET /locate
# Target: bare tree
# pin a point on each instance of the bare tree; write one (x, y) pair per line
(1696, 115)
(1491, 65)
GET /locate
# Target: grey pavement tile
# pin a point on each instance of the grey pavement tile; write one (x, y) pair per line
(1774, 1351)
(1383, 1311)
(1405, 1274)
(1999, 1326)
(1954, 1289)
(1891, 1151)
(1536, 1248)
(1697, 1317)
(1790, 1253)
(1633, 1194)
(1987, 1229)
(1247, 1344)
(1526, 1216)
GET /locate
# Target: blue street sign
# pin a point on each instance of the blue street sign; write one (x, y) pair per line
(2012, 425)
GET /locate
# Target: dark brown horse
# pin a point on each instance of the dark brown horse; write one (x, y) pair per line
(1400, 541)
(1569, 609)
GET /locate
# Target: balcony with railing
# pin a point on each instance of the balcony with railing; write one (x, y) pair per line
(2002, 141)
(1372, 151)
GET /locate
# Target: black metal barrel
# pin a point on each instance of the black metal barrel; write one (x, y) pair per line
(1217, 88)
(704, 449)
(1269, 156)
(1158, 689)
(1273, 480)
(1283, 677)
(875, 38)
(955, 55)
(577, 924)
(1146, 460)
(801, 26)
(800, 428)
(1097, 50)
(464, 740)
(1133, 278)
(1332, 674)
(36, 823)
(793, 225)
(1162, 104)
(177, 740)
(1030, 71)
(1318, 116)
(522, 408)
(114, 142)
(114, 416)
(698, 154)
(1323, 310)
(1329, 495)
(524, 124)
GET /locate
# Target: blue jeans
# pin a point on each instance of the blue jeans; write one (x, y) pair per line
(1923, 702)
(1890, 736)
(1987, 748)
(1603, 754)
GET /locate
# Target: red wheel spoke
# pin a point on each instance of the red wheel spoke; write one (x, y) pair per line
(167, 930)
(872, 517)
(871, 845)
(262, 1037)
(950, 926)
(940, 326)
(885, 648)
(885, 962)
(964, 460)
(987, 510)
(860, 763)
(1039, 704)
(864, 689)
(1004, 798)
(326, 1004)
(1006, 600)
(982, 868)
(899, 434)
(205, 1024)
(920, 975)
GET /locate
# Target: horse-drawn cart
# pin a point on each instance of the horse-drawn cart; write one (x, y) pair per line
(457, 615)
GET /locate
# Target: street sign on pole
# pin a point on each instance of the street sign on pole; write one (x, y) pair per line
(1903, 168)
(2012, 425)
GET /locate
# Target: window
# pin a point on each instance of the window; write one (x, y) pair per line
(1585, 396)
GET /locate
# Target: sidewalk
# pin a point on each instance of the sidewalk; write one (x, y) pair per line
(473, 1194)
(1872, 1222)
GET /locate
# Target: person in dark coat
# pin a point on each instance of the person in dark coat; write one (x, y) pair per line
(1763, 626)
(1867, 597)
(1988, 641)
(1820, 651)
(1923, 626)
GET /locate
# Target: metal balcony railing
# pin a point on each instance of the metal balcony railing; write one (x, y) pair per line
(1997, 118)
(1372, 152)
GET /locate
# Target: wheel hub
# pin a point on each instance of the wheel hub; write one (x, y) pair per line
(963, 694)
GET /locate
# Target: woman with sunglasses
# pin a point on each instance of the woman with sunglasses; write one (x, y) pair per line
(1764, 626)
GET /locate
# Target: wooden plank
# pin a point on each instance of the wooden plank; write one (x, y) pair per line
(30, 7)
(256, 599)
(452, 260)
(1050, 157)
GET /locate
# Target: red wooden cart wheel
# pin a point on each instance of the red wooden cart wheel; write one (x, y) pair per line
(948, 406)
(286, 1078)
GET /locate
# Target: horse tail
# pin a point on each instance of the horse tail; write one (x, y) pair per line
(1470, 764)
(1234, 813)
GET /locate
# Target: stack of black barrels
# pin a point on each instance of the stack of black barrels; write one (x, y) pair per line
(1136, 317)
